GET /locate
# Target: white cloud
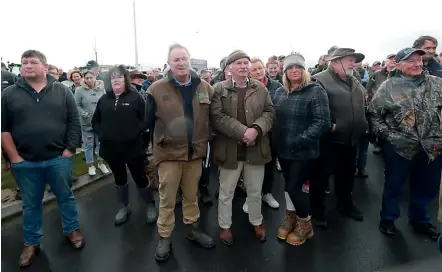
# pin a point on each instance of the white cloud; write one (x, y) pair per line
(210, 29)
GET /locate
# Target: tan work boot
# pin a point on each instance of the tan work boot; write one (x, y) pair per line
(301, 233)
(288, 225)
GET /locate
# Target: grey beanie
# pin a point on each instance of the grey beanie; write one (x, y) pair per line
(293, 59)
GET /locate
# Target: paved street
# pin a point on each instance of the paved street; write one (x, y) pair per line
(347, 246)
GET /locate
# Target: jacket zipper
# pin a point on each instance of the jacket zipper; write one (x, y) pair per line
(116, 103)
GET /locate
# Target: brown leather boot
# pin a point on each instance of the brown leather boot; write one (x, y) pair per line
(77, 239)
(260, 232)
(226, 236)
(301, 233)
(288, 225)
(28, 253)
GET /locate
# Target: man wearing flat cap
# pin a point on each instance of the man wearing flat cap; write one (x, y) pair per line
(406, 114)
(242, 114)
(347, 112)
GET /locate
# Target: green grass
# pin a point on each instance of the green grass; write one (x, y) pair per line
(79, 165)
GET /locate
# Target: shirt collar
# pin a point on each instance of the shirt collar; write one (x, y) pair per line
(235, 84)
(188, 83)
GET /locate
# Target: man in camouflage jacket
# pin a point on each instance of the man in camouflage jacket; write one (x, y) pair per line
(407, 114)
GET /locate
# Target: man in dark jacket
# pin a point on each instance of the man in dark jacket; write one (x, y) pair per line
(40, 133)
(347, 111)
(429, 45)
(95, 68)
(8, 78)
(221, 74)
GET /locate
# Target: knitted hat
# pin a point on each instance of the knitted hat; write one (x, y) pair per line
(293, 59)
(236, 55)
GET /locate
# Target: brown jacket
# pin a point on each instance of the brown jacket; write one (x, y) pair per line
(229, 131)
(171, 131)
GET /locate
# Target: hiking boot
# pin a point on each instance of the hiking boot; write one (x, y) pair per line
(288, 225)
(301, 233)
(164, 248)
(205, 195)
(123, 197)
(151, 211)
(28, 254)
(260, 233)
(226, 236)
(193, 233)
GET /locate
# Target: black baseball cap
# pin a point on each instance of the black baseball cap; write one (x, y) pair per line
(407, 52)
(92, 64)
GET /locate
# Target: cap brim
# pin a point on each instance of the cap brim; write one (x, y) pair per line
(143, 76)
(391, 56)
(420, 52)
(359, 57)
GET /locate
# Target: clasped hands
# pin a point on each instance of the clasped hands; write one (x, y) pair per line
(250, 136)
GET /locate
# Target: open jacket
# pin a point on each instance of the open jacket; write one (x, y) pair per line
(408, 114)
(181, 132)
(229, 131)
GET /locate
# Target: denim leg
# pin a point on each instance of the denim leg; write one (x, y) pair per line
(97, 147)
(396, 171)
(30, 180)
(425, 183)
(88, 139)
(58, 173)
(362, 153)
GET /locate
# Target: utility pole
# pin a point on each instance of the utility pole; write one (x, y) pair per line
(135, 37)
(95, 49)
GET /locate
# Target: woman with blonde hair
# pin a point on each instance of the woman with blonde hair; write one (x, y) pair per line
(302, 117)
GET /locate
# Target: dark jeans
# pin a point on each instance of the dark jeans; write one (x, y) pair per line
(340, 160)
(425, 180)
(31, 177)
(295, 175)
(136, 168)
(361, 153)
(267, 185)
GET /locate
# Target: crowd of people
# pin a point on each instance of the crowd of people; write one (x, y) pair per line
(244, 121)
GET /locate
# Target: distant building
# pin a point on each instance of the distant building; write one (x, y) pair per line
(198, 64)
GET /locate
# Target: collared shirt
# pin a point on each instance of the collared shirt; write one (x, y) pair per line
(188, 83)
(235, 85)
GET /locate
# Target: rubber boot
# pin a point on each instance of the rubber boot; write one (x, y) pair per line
(164, 248)
(151, 211)
(123, 197)
(194, 233)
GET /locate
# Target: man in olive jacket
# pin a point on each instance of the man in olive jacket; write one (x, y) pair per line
(242, 114)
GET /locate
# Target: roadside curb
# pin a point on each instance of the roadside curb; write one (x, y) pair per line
(15, 207)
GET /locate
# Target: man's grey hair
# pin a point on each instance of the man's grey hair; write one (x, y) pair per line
(176, 46)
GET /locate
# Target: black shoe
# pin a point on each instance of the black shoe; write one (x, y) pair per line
(320, 222)
(164, 248)
(351, 212)
(387, 227)
(193, 233)
(426, 229)
(205, 195)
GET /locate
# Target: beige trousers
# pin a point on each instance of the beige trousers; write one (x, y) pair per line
(172, 174)
(253, 179)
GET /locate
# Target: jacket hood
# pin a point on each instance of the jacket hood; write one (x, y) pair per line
(98, 85)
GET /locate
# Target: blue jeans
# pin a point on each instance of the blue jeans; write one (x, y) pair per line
(31, 178)
(90, 138)
(424, 182)
(361, 153)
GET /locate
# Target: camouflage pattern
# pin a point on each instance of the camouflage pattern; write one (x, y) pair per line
(408, 113)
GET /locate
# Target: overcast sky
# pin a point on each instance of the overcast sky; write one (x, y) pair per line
(65, 30)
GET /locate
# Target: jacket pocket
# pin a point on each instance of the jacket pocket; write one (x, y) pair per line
(220, 148)
(265, 147)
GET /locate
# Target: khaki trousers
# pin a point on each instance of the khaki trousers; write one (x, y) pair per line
(253, 179)
(172, 174)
